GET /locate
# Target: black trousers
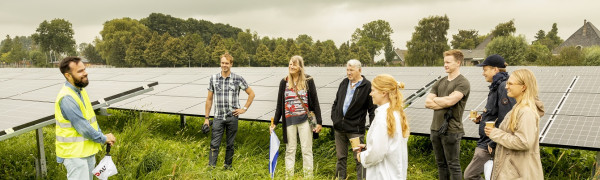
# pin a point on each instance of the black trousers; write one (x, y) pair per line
(447, 154)
(228, 126)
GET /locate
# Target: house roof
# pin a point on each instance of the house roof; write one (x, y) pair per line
(590, 38)
(401, 53)
(473, 53)
(485, 42)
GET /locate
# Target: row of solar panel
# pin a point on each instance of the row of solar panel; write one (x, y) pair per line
(183, 91)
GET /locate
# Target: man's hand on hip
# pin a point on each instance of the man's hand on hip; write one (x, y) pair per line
(237, 112)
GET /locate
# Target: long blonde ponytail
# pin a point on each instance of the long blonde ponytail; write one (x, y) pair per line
(387, 83)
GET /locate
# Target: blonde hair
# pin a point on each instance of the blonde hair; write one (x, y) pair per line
(457, 54)
(527, 78)
(387, 84)
(301, 81)
(227, 56)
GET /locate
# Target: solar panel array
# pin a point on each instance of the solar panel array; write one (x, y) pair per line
(27, 95)
(570, 94)
(188, 97)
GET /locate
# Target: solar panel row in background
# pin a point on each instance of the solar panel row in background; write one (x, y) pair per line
(183, 91)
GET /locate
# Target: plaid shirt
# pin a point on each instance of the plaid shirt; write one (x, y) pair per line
(226, 93)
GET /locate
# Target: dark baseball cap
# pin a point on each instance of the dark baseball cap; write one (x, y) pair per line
(494, 61)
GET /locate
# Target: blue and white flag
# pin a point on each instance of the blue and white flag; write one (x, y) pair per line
(273, 153)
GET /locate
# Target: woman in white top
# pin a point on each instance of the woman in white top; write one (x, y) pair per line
(385, 155)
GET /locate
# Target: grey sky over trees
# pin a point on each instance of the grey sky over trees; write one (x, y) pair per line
(333, 19)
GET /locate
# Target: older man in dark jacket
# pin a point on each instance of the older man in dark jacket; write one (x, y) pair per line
(348, 113)
(498, 104)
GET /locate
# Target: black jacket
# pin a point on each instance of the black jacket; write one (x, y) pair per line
(498, 104)
(355, 118)
(313, 105)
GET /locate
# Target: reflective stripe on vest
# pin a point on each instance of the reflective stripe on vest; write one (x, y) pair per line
(69, 143)
(70, 139)
(68, 125)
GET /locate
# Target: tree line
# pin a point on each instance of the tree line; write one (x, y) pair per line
(429, 42)
(161, 40)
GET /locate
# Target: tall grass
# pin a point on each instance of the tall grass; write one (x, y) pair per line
(155, 147)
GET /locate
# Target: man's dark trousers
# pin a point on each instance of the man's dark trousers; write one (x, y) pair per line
(229, 125)
(447, 154)
(341, 148)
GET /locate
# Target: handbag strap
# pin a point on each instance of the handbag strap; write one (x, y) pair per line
(298, 96)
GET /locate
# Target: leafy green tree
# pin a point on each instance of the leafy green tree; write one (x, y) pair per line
(217, 51)
(570, 56)
(504, 29)
(174, 52)
(38, 58)
(6, 45)
(354, 50)
(246, 41)
(16, 54)
(116, 37)
(154, 50)
(55, 36)
(364, 56)
(263, 56)
(465, 39)
(200, 55)
(374, 36)
(214, 41)
(280, 57)
(305, 52)
(163, 23)
(189, 43)
(327, 56)
(591, 56)
(428, 42)
(239, 55)
(303, 38)
(344, 54)
(389, 52)
(540, 35)
(552, 38)
(313, 58)
(134, 56)
(293, 50)
(512, 48)
(89, 52)
(537, 54)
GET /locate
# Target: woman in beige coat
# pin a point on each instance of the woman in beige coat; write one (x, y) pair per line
(518, 150)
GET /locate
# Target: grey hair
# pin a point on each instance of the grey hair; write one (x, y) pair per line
(354, 63)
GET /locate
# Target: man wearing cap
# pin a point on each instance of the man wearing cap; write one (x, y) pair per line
(498, 104)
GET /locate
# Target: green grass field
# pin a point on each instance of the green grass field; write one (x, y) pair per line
(157, 148)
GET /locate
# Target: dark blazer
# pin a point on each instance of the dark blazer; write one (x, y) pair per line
(355, 118)
(313, 105)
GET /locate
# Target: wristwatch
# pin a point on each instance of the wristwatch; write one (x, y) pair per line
(245, 108)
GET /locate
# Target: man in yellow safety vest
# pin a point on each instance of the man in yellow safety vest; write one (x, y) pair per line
(78, 136)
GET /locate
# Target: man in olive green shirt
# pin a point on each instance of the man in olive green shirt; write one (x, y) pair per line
(448, 94)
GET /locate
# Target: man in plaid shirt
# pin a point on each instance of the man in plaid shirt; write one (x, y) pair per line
(224, 88)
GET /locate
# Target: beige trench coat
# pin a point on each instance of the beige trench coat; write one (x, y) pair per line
(518, 153)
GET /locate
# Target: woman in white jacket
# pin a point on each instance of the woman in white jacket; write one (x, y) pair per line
(385, 155)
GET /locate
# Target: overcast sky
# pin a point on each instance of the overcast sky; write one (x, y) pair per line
(324, 19)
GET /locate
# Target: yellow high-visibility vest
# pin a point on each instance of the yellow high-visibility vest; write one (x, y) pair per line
(69, 143)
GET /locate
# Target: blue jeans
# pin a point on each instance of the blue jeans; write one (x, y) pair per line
(80, 168)
(229, 125)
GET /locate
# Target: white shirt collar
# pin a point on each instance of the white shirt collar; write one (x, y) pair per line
(382, 107)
